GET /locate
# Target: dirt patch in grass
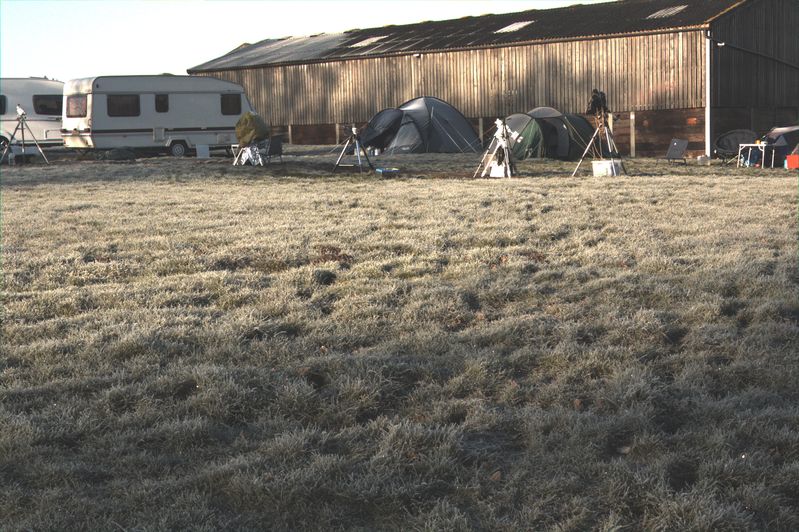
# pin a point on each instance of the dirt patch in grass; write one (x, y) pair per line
(188, 344)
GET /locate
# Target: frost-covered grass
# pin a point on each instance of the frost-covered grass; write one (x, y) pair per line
(199, 346)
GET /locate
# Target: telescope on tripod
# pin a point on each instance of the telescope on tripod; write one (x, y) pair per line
(598, 106)
(22, 125)
(354, 141)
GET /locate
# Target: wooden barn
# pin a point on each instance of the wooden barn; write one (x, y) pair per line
(689, 69)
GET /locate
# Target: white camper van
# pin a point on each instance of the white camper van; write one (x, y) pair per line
(172, 113)
(41, 100)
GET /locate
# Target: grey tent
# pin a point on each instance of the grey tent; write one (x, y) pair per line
(381, 128)
(555, 131)
(422, 125)
(580, 133)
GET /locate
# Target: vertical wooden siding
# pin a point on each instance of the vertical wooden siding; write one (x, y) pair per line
(649, 72)
(742, 79)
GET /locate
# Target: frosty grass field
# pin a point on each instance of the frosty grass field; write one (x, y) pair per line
(191, 345)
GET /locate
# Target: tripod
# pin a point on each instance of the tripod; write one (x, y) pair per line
(353, 140)
(497, 161)
(595, 144)
(22, 125)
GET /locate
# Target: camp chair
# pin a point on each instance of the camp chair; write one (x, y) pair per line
(676, 150)
(274, 148)
(259, 152)
(726, 145)
(248, 154)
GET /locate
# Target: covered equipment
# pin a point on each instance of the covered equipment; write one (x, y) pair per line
(726, 145)
(251, 128)
(422, 125)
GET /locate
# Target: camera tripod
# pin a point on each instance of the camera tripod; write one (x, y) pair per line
(353, 140)
(22, 125)
(498, 155)
(594, 145)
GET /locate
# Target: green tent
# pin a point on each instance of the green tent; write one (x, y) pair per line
(546, 132)
(527, 139)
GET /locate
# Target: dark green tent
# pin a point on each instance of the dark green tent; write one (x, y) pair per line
(527, 139)
(546, 132)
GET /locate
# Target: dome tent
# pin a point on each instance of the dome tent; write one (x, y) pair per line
(546, 132)
(580, 133)
(529, 142)
(422, 125)
(555, 131)
(381, 128)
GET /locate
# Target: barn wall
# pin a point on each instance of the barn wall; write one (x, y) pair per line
(747, 90)
(654, 130)
(648, 72)
(744, 79)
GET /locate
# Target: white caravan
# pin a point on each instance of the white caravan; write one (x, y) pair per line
(172, 113)
(41, 100)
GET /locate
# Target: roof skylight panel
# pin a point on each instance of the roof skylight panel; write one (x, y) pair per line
(516, 26)
(367, 42)
(667, 12)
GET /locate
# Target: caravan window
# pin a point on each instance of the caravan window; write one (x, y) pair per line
(76, 106)
(2, 105)
(162, 103)
(47, 104)
(231, 104)
(123, 105)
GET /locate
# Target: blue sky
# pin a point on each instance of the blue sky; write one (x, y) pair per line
(69, 39)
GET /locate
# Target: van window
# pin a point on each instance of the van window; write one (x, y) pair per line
(2, 105)
(47, 104)
(76, 106)
(231, 104)
(161, 103)
(123, 105)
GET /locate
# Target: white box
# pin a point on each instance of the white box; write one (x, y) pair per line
(606, 168)
(203, 151)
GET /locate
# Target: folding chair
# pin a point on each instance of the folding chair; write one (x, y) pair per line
(274, 148)
(676, 151)
(250, 153)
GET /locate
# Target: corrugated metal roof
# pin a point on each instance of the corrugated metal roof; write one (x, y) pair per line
(593, 20)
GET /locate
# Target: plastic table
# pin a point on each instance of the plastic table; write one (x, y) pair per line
(760, 146)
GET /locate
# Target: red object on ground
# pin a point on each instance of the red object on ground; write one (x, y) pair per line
(793, 161)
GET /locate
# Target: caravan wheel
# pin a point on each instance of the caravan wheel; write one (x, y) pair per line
(178, 149)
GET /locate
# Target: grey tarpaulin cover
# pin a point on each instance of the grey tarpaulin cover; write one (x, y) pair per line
(251, 128)
(785, 141)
